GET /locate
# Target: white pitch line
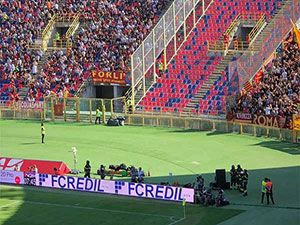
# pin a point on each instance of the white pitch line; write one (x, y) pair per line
(103, 210)
(90, 208)
(7, 205)
(177, 221)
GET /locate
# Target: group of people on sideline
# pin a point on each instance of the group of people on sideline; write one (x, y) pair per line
(239, 179)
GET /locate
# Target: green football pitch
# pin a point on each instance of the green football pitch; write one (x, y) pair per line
(165, 151)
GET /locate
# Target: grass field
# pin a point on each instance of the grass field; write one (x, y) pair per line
(184, 153)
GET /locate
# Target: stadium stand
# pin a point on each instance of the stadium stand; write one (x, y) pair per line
(192, 66)
(278, 92)
(109, 33)
(21, 22)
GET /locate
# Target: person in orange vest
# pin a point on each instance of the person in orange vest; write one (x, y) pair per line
(269, 187)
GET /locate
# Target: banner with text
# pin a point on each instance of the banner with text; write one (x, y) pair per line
(243, 117)
(263, 120)
(111, 77)
(25, 165)
(116, 187)
(271, 121)
(296, 119)
(26, 105)
(11, 177)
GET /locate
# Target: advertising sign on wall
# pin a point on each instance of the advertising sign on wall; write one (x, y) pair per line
(111, 77)
(11, 177)
(101, 186)
(26, 105)
(116, 187)
(24, 165)
(271, 121)
(296, 120)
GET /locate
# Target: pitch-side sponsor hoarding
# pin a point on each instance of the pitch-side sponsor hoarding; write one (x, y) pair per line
(101, 186)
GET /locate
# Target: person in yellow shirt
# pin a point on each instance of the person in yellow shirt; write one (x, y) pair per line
(43, 131)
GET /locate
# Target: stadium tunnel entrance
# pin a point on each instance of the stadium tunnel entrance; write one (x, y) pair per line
(110, 91)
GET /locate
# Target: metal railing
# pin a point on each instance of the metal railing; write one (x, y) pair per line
(249, 64)
(223, 126)
(163, 42)
(62, 43)
(66, 17)
(73, 26)
(45, 33)
(237, 46)
(235, 23)
(82, 109)
(258, 26)
(233, 47)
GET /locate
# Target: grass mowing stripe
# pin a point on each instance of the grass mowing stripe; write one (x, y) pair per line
(91, 208)
(10, 204)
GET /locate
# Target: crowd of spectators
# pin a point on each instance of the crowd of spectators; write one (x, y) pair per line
(278, 92)
(114, 29)
(111, 31)
(21, 23)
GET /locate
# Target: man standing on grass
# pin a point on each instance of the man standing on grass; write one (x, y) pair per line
(98, 116)
(43, 131)
(263, 189)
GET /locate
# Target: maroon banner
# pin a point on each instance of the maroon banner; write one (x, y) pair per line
(111, 77)
(58, 109)
(271, 121)
(244, 116)
(25, 165)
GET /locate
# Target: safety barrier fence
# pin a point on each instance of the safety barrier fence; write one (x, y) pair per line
(233, 47)
(73, 26)
(222, 126)
(66, 17)
(49, 26)
(250, 62)
(239, 46)
(257, 27)
(41, 42)
(62, 43)
(163, 42)
(64, 109)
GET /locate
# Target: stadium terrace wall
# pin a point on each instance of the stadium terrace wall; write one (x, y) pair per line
(151, 191)
(223, 126)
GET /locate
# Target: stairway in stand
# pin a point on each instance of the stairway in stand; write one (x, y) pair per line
(208, 84)
(194, 75)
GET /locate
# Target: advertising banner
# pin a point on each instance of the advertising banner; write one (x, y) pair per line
(58, 109)
(11, 177)
(25, 165)
(296, 120)
(26, 105)
(111, 77)
(271, 121)
(116, 187)
(243, 117)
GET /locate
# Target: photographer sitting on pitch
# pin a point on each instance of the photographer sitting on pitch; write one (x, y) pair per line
(221, 200)
(210, 199)
(101, 172)
(133, 173)
(199, 183)
(141, 175)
